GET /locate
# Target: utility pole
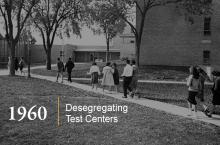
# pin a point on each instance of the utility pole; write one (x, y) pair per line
(29, 54)
(62, 54)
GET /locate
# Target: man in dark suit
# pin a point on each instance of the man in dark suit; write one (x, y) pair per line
(215, 91)
(69, 67)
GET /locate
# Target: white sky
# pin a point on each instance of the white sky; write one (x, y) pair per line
(88, 38)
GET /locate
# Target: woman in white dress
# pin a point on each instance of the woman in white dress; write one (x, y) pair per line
(94, 72)
(107, 79)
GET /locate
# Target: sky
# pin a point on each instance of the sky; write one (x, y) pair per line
(88, 38)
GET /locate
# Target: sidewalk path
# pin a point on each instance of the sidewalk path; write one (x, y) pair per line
(145, 81)
(5, 72)
(141, 81)
(169, 108)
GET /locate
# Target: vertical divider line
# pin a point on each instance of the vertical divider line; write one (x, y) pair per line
(58, 111)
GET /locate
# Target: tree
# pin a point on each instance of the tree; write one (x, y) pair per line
(15, 13)
(57, 17)
(26, 35)
(105, 21)
(124, 8)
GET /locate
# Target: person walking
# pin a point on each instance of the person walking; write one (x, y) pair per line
(94, 72)
(127, 78)
(115, 76)
(215, 91)
(193, 89)
(21, 65)
(107, 79)
(134, 78)
(202, 77)
(9, 63)
(69, 67)
(16, 64)
(60, 69)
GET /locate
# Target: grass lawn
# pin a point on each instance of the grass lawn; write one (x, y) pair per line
(145, 72)
(141, 125)
(168, 93)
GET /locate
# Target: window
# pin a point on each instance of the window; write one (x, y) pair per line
(206, 57)
(132, 41)
(61, 53)
(207, 26)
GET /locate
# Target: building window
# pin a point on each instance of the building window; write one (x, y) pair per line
(132, 41)
(61, 53)
(206, 57)
(207, 26)
(91, 57)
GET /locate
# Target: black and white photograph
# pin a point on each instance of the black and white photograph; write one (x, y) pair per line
(109, 72)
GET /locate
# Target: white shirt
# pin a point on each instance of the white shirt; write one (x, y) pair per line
(93, 69)
(108, 68)
(128, 71)
(193, 84)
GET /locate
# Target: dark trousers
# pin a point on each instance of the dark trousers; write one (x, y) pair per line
(69, 76)
(126, 85)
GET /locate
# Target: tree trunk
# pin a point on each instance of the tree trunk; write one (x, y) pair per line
(107, 52)
(12, 58)
(137, 53)
(48, 64)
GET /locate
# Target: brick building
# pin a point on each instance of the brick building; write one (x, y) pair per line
(78, 53)
(125, 42)
(20, 51)
(169, 39)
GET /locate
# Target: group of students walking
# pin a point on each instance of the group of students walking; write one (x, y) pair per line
(61, 68)
(18, 64)
(111, 77)
(196, 83)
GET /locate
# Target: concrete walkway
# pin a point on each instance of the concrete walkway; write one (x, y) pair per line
(145, 81)
(169, 108)
(5, 72)
(141, 81)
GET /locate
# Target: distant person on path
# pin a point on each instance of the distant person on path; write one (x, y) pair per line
(69, 67)
(9, 63)
(134, 81)
(94, 72)
(60, 69)
(21, 65)
(16, 64)
(127, 78)
(115, 76)
(193, 88)
(202, 77)
(107, 79)
(215, 91)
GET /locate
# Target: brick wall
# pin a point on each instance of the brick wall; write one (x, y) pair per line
(125, 42)
(168, 39)
(38, 54)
